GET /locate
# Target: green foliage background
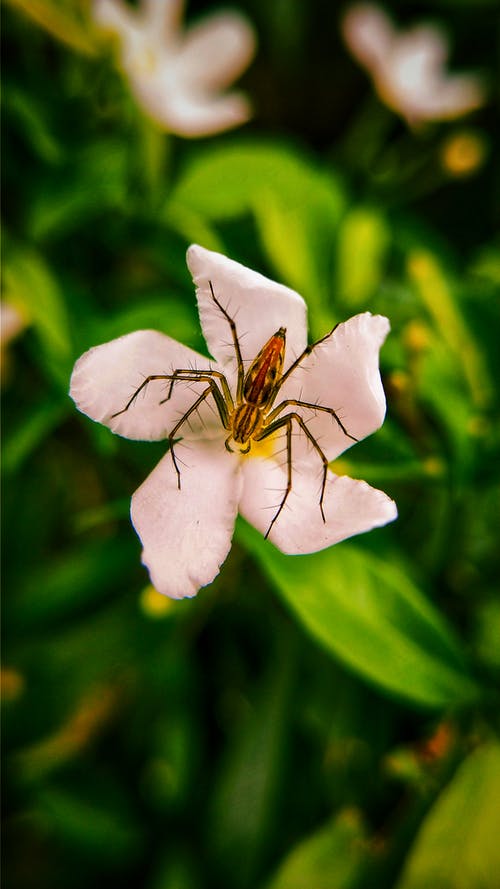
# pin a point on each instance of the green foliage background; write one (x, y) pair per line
(322, 722)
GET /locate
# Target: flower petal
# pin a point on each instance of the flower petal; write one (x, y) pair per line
(12, 322)
(408, 66)
(191, 114)
(106, 377)
(186, 533)
(216, 50)
(460, 94)
(447, 98)
(342, 373)
(369, 34)
(162, 19)
(117, 18)
(413, 72)
(350, 506)
(258, 305)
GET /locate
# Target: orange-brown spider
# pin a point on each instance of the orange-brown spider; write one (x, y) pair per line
(250, 416)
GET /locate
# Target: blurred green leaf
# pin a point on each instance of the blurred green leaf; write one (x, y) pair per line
(441, 389)
(96, 180)
(30, 116)
(20, 443)
(100, 830)
(366, 612)
(74, 579)
(247, 790)
(437, 294)
(31, 285)
(487, 264)
(334, 856)
(176, 871)
(363, 241)
(457, 846)
(169, 315)
(296, 206)
(60, 21)
(192, 226)
(487, 632)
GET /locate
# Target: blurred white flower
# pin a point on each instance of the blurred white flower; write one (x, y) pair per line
(216, 413)
(408, 67)
(179, 78)
(12, 322)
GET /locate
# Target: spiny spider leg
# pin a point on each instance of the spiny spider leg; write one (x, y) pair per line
(239, 359)
(212, 387)
(307, 351)
(143, 385)
(317, 407)
(187, 374)
(273, 427)
(195, 376)
(224, 416)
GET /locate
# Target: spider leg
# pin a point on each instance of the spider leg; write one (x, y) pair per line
(224, 401)
(317, 407)
(189, 373)
(223, 412)
(143, 385)
(234, 334)
(286, 421)
(307, 351)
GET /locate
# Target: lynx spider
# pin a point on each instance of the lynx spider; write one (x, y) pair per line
(250, 417)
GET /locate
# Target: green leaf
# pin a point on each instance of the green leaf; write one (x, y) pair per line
(487, 264)
(59, 22)
(332, 857)
(447, 403)
(457, 846)
(31, 117)
(31, 285)
(20, 443)
(99, 830)
(84, 574)
(487, 633)
(364, 238)
(437, 293)
(247, 791)
(369, 615)
(192, 226)
(169, 315)
(296, 207)
(73, 195)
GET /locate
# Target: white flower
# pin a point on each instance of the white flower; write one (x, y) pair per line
(408, 67)
(185, 511)
(12, 322)
(178, 78)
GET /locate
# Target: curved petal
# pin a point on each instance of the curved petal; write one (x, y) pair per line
(412, 73)
(216, 50)
(342, 373)
(119, 19)
(258, 305)
(451, 97)
(162, 19)
(369, 34)
(106, 377)
(350, 506)
(186, 533)
(191, 114)
(424, 47)
(12, 322)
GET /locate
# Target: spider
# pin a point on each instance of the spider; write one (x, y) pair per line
(250, 416)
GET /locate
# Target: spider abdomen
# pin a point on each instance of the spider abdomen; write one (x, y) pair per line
(265, 371)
